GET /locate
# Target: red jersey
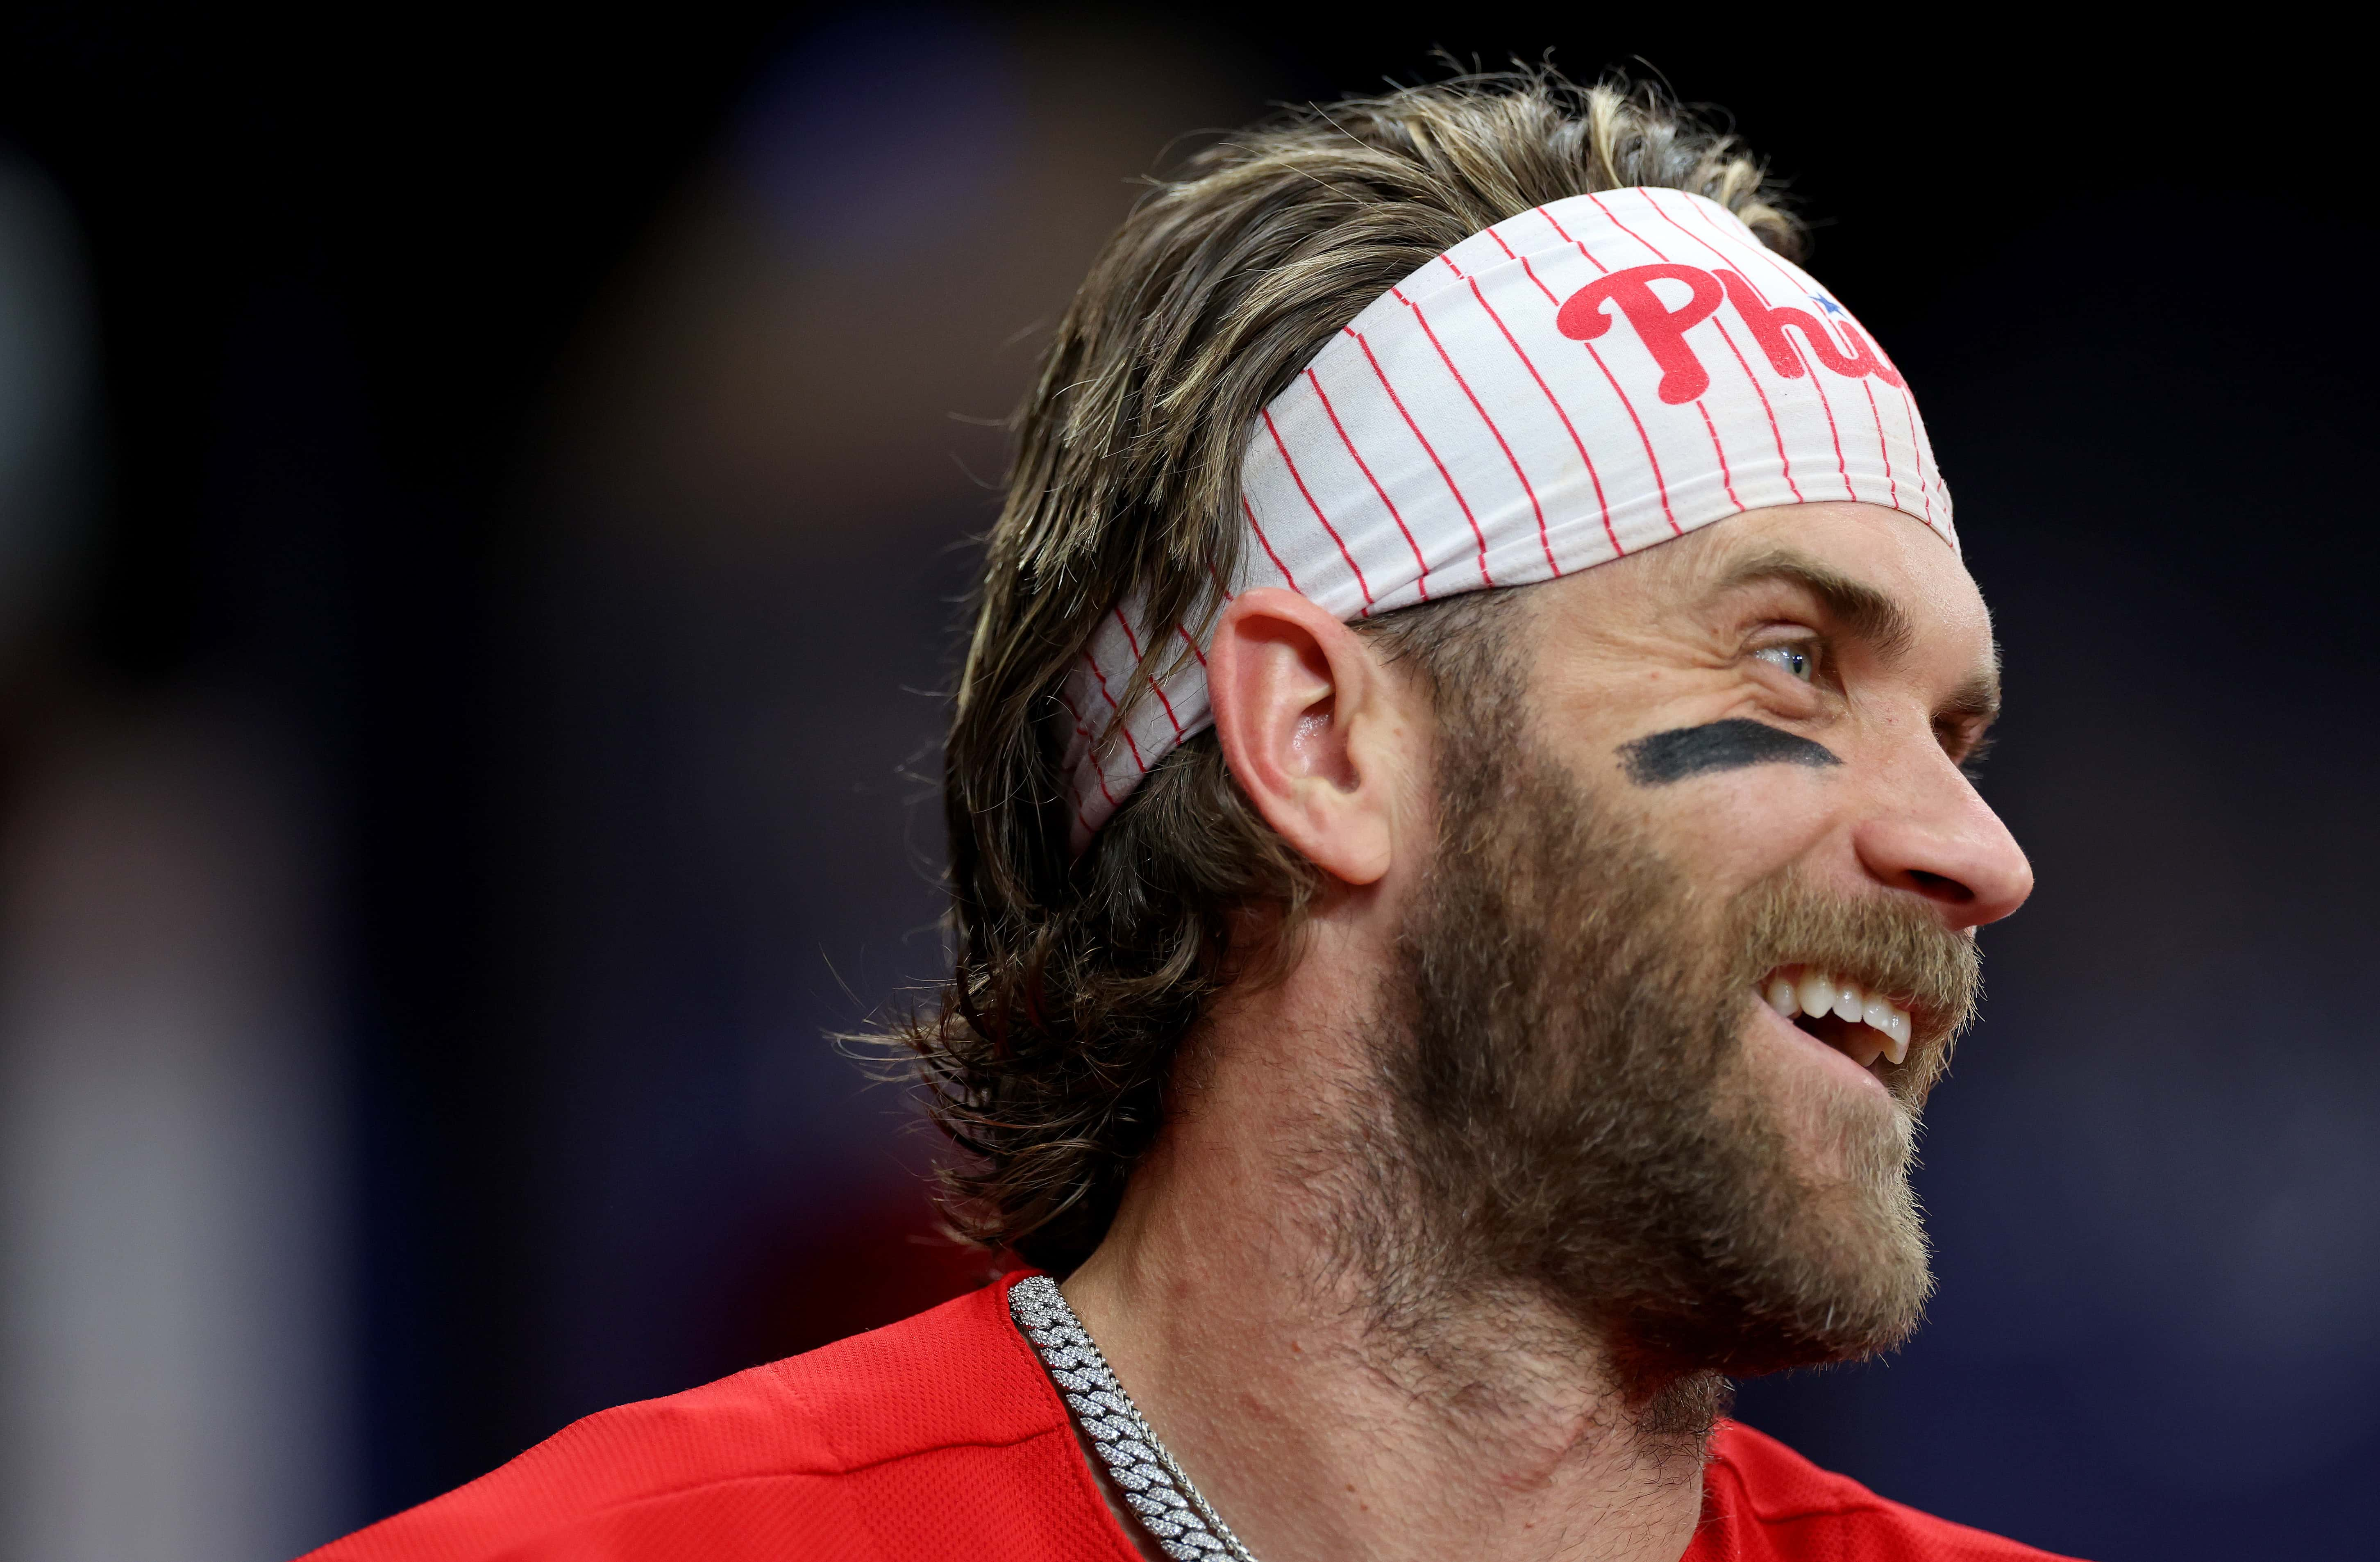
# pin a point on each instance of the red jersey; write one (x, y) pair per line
(941, 1437)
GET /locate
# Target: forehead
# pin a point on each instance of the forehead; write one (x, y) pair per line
(1677, 585)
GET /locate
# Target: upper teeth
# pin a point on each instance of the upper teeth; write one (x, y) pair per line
(1816, 993)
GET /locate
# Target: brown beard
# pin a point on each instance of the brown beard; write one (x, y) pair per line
(1575, 1111)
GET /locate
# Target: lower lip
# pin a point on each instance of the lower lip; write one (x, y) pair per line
(1832, 1059)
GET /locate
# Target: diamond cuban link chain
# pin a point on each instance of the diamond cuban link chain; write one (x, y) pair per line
(1186, 1527)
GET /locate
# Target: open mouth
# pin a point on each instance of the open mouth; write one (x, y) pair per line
(1862, 1025)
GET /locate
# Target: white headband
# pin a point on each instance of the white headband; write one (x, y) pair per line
(1576, 383)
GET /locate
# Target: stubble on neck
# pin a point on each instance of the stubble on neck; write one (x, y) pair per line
(1345, 1379)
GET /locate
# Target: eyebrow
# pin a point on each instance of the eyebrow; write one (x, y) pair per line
(1858, 606)
(1873, 616)
(1977, 698)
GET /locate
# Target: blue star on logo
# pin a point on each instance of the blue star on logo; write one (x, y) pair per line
(1827, 304)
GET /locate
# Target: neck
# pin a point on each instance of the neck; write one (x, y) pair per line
(1328, 1407)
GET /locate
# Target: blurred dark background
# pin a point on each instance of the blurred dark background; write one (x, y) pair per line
(482, 497)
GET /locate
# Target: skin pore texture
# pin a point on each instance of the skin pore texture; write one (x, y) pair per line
(1452, 1229)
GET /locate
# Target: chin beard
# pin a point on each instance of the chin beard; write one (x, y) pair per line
(1572, 1111)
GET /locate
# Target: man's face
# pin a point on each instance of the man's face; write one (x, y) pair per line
(1713, 775)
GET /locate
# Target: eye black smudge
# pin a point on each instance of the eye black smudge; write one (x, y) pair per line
(1720, 745)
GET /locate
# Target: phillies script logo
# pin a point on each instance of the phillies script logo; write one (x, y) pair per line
(1663, 329)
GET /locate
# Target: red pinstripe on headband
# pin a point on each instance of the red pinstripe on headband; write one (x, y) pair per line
(1573, 384)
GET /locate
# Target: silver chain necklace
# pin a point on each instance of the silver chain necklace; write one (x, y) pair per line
(1185, 1525)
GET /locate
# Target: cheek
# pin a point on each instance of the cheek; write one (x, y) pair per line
(1729, 830)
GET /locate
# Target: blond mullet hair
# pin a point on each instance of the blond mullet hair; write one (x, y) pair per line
(1046, 1056)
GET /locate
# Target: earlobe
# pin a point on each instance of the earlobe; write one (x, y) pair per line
(1295, 693)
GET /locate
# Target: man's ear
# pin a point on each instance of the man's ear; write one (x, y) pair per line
(1309, 722)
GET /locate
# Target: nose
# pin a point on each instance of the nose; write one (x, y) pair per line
(1931, 835)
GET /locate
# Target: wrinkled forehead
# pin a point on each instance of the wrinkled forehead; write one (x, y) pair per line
(1892, 547)
(1875, 570)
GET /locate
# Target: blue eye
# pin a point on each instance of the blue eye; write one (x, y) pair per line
(1796, 661)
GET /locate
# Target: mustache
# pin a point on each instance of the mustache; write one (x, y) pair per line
(1888, 943)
